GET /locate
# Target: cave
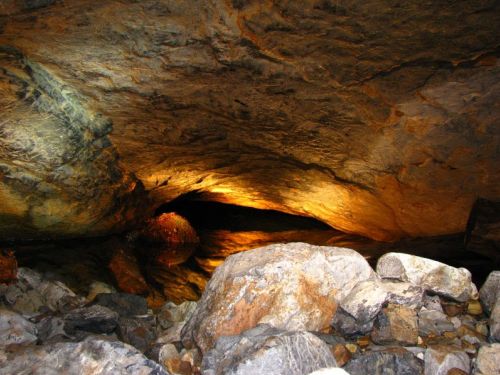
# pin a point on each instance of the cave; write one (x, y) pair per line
(201, 184)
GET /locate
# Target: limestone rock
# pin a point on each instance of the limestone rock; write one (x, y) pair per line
(387, 361)
(96, 319)
(490, 291)
(91, 356)
(347, 325)
(396, 325)
(365, 300)
(403, 293)
(123, 303)
(292, 286)
(266, 350)
(439, 360)
(432, 322)
(434, 276)
(488, 360)
(15, 330)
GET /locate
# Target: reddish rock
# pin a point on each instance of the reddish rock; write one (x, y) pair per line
(126, 271)
(8, 267)
(169, 229)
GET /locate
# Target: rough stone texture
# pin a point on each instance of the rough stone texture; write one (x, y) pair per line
(382, 362)
(402, 293)
(490, 291)
(8, 267)
(488, 360)
(441, 359)
(396, 325)
(171, 313)
(97, 319)
(359, 113)
(14, 329)
(293, 286)
(124, 304)
(434, 276)
(267, 351)
(433, 322)
(365, 300)
(494, 322)
(91, 356)
(138, 332)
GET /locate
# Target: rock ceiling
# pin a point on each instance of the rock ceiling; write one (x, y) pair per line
(377, 117)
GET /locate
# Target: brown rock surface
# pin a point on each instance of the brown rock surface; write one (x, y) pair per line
(379, 118)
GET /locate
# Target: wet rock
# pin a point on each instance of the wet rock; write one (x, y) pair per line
(15, 329)
(171, 313)
(292, 286)
(432, 322)
(138, 332)
(387, 361)
(439, 360)
(123, 303)
(436, 277)
(124, 267)
(488, 360)
(490, 291)
(169, 229)
(397, 325)
(365, 300)
(91, 356)
(403, 293)
(267, 350)
(96, 319)
(8, 267)
(346, 325)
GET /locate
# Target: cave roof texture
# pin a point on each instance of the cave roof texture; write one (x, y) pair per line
(377, 117)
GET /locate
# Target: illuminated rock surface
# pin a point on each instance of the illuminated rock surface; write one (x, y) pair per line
(379, 118)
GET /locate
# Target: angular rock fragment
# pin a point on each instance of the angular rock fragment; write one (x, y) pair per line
(123, 303)
(489, 293)
(365, 300)
(386, 361)
(138, 332)
(293, 286)
(15, 329)
(488, 360)
(267, 350)
(439, 360)
(436, 277)
(432, 322)
(96, 319)
(396, 325)
(91, 356)
(403, 293)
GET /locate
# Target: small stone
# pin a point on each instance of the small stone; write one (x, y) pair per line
(474, 308)
(138, 332)
(123, 303)
(431, 322)
(488, 360)
(440, 359)
(387, 361)
(265, 347)
(97, 319)
(171, 313)
(176, 366)
(193, 356)
(396, 324)
(168, 352)
(15, 329)
(432, 303)
(456, 322)
(50, 328)
(489, 292)
(456, 371)
(470, 335)
(433, 276)
(452, 309)
(347, 325)
(353, 348)
(341, 353)
(365, 300)
(171, 335)
(363, 342)
(482, 328)
(420, 341)
(98, 287)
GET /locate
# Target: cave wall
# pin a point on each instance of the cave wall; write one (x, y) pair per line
(376, 117)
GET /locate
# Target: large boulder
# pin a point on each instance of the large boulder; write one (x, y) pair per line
(490, 291)
(436, 277)
(266, 350)
(292, 286)
(92, 356)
